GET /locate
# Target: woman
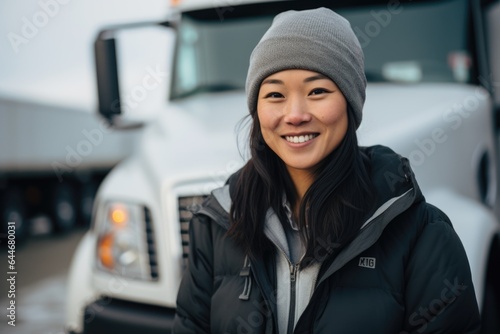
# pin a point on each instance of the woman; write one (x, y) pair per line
(311, 235)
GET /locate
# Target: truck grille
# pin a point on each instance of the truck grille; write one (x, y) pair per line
(186, 206)
(153, 263)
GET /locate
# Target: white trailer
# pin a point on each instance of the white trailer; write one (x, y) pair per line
(52, 160)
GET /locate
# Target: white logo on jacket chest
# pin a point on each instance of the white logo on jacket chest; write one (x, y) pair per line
(367, 262)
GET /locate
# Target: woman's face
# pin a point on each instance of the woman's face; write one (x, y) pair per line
(303, 117)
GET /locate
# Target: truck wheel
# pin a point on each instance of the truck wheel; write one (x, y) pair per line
(13, 210)
(64, 214)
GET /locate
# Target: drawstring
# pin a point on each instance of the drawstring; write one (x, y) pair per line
(245, 272)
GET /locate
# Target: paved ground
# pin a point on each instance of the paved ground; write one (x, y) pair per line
(42, 265)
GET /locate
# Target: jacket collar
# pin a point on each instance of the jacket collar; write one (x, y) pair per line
(396, 190)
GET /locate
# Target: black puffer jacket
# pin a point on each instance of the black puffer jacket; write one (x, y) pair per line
(405, 272)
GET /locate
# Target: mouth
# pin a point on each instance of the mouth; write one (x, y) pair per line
(299, 139)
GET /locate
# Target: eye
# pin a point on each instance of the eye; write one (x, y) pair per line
(318, 91)
(274, 95)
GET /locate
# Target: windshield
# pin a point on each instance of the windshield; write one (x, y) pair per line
(415, 42)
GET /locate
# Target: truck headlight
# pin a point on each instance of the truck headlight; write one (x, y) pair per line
(125, 243)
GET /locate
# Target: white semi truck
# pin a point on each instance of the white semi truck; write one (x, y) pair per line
(433, 94)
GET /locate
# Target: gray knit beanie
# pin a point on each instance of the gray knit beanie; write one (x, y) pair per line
(318, 40)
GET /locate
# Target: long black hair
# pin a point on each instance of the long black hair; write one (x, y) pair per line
(332, 209)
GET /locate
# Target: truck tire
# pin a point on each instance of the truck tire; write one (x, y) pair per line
(12, 209)
(63, 208)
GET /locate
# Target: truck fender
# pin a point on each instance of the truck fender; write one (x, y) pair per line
(79, 292)
(475, 224)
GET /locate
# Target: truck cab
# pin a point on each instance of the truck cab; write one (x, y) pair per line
(432, 95)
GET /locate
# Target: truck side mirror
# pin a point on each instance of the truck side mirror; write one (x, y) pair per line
(107, 75)
(114, 96)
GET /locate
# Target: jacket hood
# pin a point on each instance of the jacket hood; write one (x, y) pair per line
(396, 190)
(390, 173)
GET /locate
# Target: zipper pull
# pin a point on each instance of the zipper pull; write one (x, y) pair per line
(245, 272)
(293, 272)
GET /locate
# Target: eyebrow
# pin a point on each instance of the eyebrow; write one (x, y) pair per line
(309, 79)
(315, 77)
(272, 81)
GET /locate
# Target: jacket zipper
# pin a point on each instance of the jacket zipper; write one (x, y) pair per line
(293, 280)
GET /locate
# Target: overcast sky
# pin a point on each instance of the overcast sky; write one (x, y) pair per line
(46, 45)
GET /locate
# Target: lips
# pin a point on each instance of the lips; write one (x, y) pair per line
(299, 139)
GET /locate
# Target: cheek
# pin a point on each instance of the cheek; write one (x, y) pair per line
(335, 119)
(268, 127)
(334, 113)
(262, 124)
(342, 125)
(267, 119)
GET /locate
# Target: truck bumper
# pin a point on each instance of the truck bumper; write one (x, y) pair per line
(118, 316)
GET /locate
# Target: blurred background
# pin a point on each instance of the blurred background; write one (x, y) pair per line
(48, 113)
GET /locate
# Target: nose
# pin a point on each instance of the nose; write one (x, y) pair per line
(296, 112)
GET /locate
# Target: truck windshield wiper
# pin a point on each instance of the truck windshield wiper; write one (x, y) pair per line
(209, 88)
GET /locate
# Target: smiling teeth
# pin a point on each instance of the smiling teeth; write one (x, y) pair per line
(299, 139)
